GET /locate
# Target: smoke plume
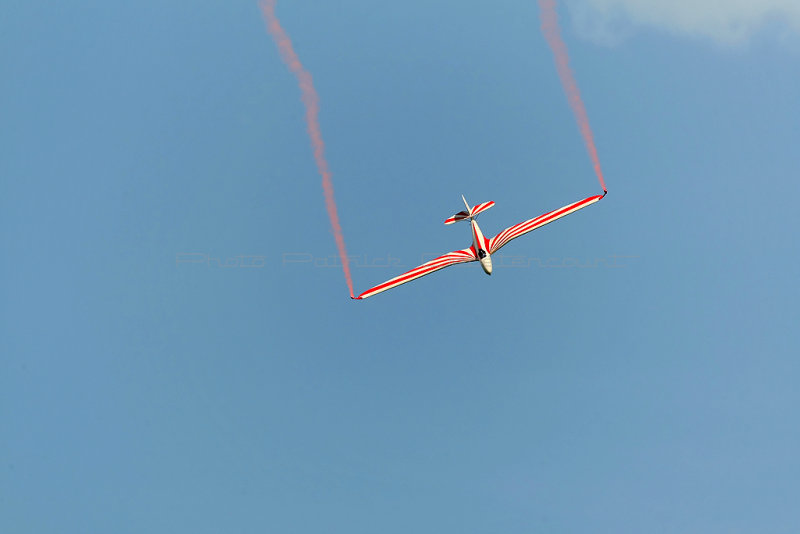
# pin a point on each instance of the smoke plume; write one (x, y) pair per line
(552, 33)
(311, 102)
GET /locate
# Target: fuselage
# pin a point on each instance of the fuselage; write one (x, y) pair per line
(481, 245)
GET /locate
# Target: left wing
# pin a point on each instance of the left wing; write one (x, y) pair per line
(459, 256)
(497, 242)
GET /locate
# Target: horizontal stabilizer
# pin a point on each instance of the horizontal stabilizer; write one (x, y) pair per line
(481, 207)
(474, 211)
(460, 216)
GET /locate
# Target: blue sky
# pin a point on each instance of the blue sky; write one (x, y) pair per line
(638, 376)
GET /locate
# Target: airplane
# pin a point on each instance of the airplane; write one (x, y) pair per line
(481, 249)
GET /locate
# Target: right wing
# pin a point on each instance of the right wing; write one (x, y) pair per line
(459, 256)
(524, 227)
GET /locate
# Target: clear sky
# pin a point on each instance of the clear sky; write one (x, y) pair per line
(630, 368)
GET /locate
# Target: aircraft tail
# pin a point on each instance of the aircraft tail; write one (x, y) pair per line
(470, 212)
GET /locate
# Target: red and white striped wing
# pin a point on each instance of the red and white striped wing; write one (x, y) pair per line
(482, 207)
(497, 242)
(459, 256)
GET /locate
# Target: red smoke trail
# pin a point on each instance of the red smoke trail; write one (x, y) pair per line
(552, 33)
(311, 101)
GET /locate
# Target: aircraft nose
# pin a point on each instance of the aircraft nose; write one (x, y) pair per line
(486, 263)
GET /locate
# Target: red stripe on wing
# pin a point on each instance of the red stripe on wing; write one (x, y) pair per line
(459, 256)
